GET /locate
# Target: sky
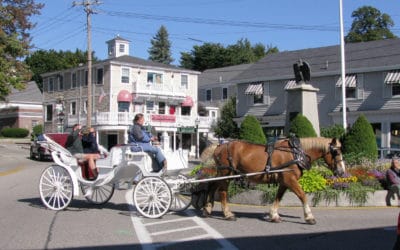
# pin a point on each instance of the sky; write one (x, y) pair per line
(285, 24)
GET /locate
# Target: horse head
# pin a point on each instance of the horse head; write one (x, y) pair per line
(334, 157)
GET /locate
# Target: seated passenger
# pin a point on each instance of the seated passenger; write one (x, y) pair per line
(393, 178)
(139, 135)
(74, 146)
(89, 142)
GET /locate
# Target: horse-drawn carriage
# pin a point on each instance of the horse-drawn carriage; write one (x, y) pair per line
(156, 194)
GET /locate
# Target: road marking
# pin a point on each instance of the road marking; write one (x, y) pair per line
(145, 236)
(11, 171)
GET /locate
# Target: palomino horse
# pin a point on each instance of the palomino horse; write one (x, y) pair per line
(240, 157)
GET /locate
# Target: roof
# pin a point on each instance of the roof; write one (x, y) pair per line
(31, 94)
(147, 63)
(221, 75)
(360, 57)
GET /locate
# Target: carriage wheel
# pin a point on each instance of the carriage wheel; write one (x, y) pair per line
(56, 188)
(100, 195)
(152, 197)
(181, 195)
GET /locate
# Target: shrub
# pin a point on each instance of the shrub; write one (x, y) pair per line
(335, 131)
(36, 130)
(14, 132)
(250, 130)
(312, 181)
(302, 127)
(360, 140)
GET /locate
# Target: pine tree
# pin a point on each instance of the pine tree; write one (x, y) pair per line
(302, 127)
(250, 130)
(160, 49)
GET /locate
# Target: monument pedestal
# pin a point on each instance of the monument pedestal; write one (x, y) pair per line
(302, 99)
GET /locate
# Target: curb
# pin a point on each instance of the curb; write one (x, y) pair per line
(255, 197)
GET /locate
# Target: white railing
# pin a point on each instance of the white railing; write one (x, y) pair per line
(125, 119)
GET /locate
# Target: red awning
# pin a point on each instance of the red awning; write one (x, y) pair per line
(188, 102)
(124, 96)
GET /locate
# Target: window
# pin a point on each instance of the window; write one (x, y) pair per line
(161, 108)
(258, 99)
(149, 105)
(395, 135)
(184, 81)
(125, 75)
(208, 95)
(72, 108)
(99, 76)
(122, 48)
(351, 85)
(86, 78)
(185, 110)
(49, 113)
(60, 82)
(74, 82)
(123, 106)
(51, 84)
(224, 93)
(395, 89)
(154, 78)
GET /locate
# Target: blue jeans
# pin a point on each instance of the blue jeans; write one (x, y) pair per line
(147, 147)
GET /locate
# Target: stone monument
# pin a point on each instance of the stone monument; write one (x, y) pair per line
(302, 98)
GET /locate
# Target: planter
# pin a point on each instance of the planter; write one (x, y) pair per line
(255, 197)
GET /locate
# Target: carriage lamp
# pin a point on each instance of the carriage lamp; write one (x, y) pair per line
(197, 122)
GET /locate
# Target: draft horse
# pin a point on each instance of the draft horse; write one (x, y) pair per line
(293, 156)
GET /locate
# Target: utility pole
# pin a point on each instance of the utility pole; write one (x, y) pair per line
(87, 4)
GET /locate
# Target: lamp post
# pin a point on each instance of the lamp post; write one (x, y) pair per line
(197, 122)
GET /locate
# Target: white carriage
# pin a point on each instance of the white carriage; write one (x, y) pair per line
(154, 193)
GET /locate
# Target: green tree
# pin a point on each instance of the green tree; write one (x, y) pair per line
(360, 140)
(369, 24)
(15, 43)
(334, 131)
(226, 127)
(215, 55)
(42, 61)
(160, 50)
(250, 130)
(207, 56)
(302, 127)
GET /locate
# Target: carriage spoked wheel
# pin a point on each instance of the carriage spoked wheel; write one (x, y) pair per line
(152, 197)
(100, 195)
(181, 194)
(56, 188)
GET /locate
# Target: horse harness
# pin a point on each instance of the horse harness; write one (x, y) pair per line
(299, 157)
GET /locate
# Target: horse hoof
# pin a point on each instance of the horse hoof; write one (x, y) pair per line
(275, 220)
(205, 215)
(231, 218)
(311, 221)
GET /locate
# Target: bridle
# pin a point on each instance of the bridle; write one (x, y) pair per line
(334, 151)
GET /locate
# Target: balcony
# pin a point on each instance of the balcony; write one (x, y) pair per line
(125, 119)
(160, 90)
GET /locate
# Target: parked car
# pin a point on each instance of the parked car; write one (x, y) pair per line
(37, 151)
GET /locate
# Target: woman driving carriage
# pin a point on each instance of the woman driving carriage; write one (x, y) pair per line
(139, 135)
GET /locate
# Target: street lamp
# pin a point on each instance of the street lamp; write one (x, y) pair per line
(197, 122)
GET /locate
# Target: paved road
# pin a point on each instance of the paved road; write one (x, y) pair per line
(26, 224)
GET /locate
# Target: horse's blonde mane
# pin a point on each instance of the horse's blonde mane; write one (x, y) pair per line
(316, 142)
